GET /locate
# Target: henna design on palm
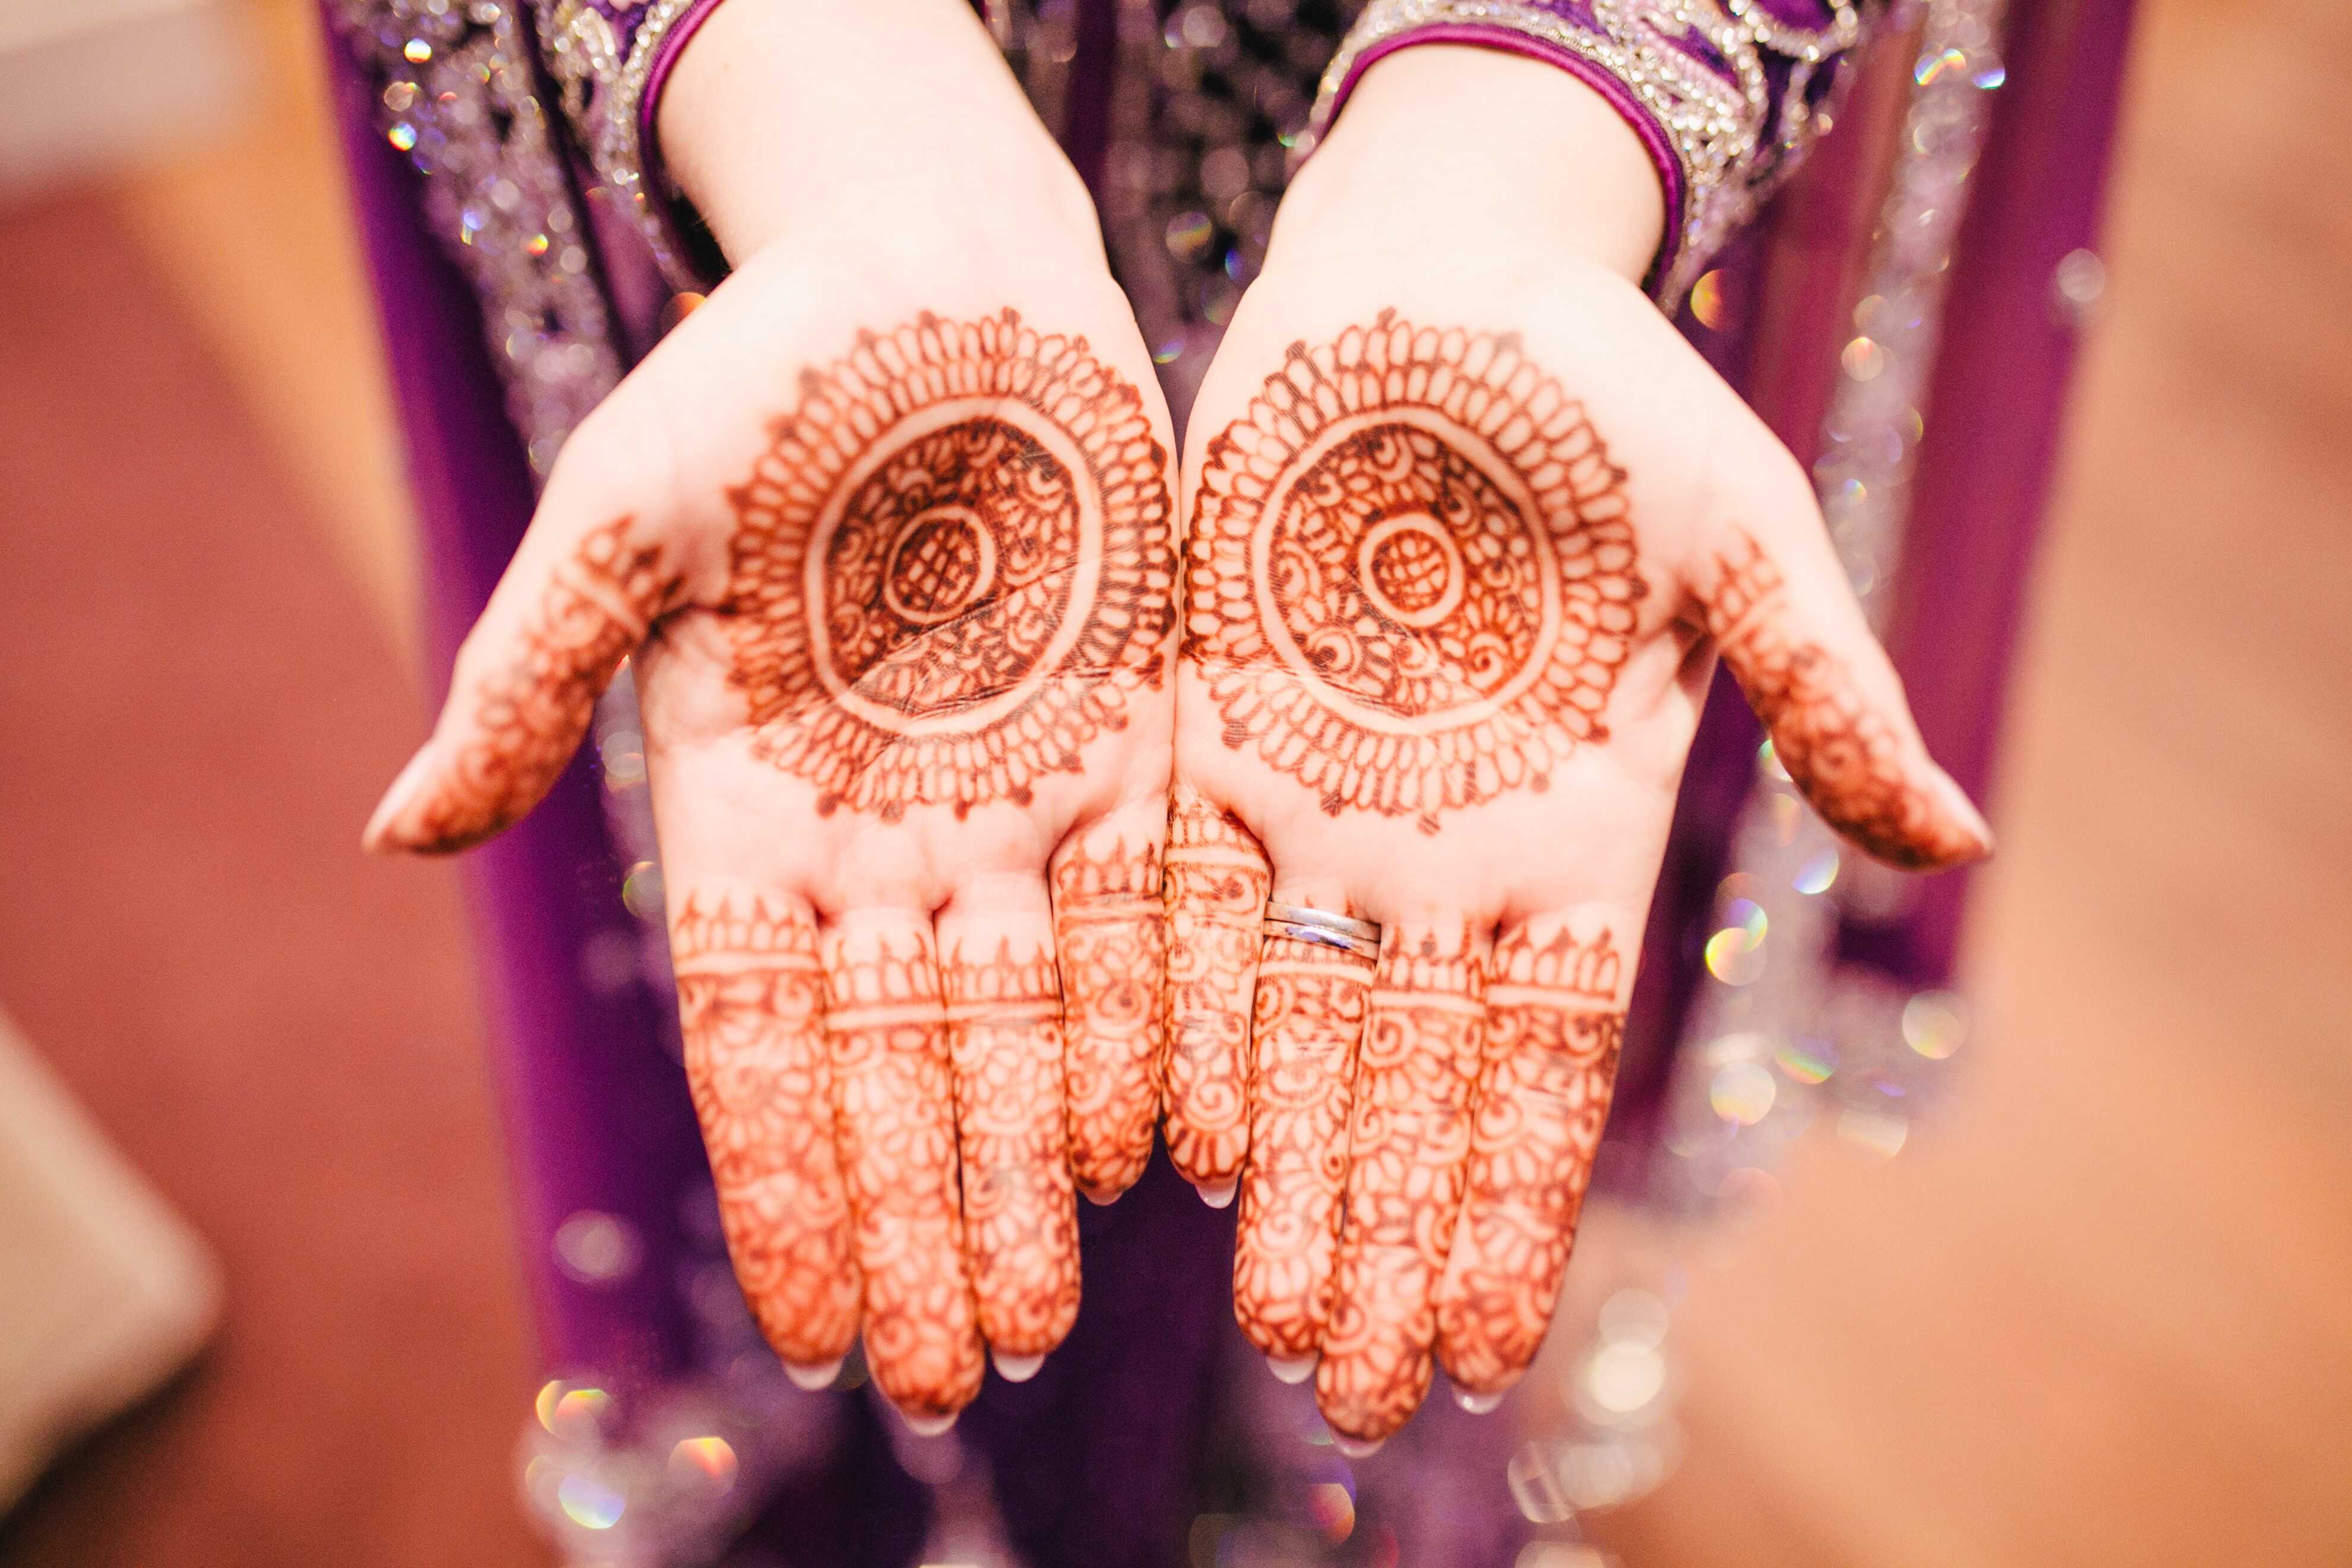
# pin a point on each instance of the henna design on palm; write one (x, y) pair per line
(1411, 577)
(943, 580)
(951, 568)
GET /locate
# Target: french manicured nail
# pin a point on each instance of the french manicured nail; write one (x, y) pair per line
(1016, 1368)
(1956, 801)
(815, 1377)
(397, 800)
(1291, 1368)
(1216, 1194)
(1356, 1449)
(928, 1426)
(1477, 1404)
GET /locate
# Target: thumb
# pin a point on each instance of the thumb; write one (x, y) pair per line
(581, 593)
(1778, 609)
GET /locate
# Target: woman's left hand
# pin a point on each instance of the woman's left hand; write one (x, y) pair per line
(1469, 526)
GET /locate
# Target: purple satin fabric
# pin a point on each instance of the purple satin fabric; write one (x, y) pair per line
(1105, 1457)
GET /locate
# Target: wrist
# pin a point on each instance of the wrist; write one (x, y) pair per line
(897, 117)
(1487, 153)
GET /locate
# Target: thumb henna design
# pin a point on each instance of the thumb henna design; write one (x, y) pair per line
(1846, 757)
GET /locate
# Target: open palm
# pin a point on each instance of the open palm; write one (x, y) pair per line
(1457, 576)
(899, 601)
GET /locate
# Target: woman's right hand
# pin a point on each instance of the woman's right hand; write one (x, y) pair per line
(886, 525)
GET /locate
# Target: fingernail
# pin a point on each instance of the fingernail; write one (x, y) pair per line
(928, 1426)
(1477, 1404)
(1956, 802)
(817, 1375)
(1291, 1368)
(396, 800)
(1356, 1449)
(1216, 1194)
(1016, 1368)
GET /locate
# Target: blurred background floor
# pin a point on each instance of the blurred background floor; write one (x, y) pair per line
(2098, 1312)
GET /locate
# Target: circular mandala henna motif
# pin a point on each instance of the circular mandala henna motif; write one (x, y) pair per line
(951, 543)
(1441, 584)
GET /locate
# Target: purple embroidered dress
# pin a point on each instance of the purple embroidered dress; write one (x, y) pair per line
(1904, 315)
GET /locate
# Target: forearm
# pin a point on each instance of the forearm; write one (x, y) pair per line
(886, 117)
(1483, 149)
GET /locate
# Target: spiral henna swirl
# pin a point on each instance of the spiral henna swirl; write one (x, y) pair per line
(1108, 932)
(894, 1108)
(1307, 1022)
(1411, 583)
(1839, 750)
(1216, 888)
(750, 996)
(1555, 1020)
(951, 568)
(1408, 1153)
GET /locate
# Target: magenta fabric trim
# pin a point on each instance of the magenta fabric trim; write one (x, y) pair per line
(662, 199)
(1620, 97)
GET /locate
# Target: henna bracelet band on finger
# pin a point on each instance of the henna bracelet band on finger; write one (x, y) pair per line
(1323, 929)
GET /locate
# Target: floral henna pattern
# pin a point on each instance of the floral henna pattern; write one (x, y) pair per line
(1307, 1023)
(951, 568)
(1555, 1020)
(530, 714)
(1216, 888)
(1020, 1233)
(1112, 944)
(751, 997)
(1439, 569)
(887, 1030)
(1845, 757)
(1408, 1153)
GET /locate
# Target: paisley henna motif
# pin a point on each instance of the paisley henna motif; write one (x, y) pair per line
(1842, 752)
(751, 996)
(1554, 1019)
(1412, 575)
(1408, 1153)
(1216, 890)
(1020, 1231)
(528, 715)
(1307, 1024)
(951, 568)
(1111, 941)
(895, 1108)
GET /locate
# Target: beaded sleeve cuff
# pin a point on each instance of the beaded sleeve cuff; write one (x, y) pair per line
(1726, 94)
(609, 59)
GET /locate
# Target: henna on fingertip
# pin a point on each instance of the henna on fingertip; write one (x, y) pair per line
(1005, 1036)
(1112, 946)
(1304, 1029)
(1408, 1158)
(1216, 888)
(1555, 1023)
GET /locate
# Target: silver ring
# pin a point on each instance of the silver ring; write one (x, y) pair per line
(1321, 927)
